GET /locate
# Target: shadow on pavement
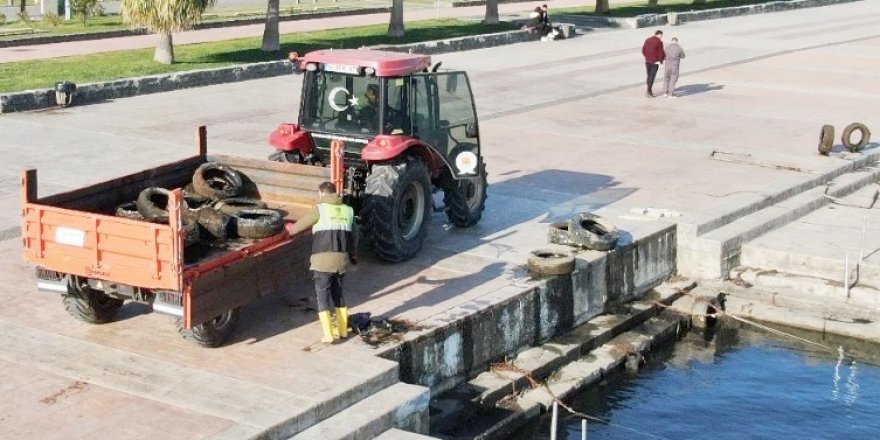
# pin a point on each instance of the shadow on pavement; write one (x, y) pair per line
(693, 89)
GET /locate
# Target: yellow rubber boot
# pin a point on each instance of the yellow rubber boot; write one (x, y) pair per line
(342, 321)
(326, 326)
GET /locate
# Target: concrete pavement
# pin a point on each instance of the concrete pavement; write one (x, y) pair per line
(566, 128)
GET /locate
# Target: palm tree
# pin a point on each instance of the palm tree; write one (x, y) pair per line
(491, 12)
(601, 6)
(164, 17)
(271, 41)
(395, 28)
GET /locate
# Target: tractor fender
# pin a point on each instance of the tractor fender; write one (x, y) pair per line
(383, 148)
(289, 137)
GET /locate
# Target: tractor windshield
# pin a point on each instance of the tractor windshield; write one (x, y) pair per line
(353, 105)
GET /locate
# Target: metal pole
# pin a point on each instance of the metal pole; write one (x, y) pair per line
(862, 241)
(846, 275)
(553, 420)
(584, 429)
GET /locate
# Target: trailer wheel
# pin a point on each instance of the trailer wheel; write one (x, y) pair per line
(465, 200)
(397, 208)
(549, 262)
(86, 304)
(214, 332)
(258, 223)
(846, 137)
(233, 205)
(152, 203)
(217, 181)
(826, 139)
(593, 232)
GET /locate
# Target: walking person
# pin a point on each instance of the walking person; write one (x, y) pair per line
(674, 54)
(334, 245)
(652, 50)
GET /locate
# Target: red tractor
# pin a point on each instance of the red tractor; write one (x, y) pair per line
(406, 129)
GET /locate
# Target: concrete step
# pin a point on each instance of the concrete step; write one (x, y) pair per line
(399, 434)
(713, 254)
(401, 406)
(810, 289)
(488, 388)
(581, 21)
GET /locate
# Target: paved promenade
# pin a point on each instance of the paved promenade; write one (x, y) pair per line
(566, 128)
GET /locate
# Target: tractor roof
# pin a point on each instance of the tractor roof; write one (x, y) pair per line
(386, 63)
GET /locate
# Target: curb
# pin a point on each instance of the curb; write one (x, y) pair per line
(123, 88)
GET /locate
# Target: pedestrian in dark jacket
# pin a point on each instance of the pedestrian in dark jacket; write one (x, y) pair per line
(334, 245)
(654, 56)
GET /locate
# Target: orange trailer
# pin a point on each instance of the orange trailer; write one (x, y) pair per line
(97, 260)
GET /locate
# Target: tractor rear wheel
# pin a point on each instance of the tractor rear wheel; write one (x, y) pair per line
(465, 200)
(396, 211)
(89, 305)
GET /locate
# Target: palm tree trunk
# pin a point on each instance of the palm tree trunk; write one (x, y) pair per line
(395, 27)
(270, 32)
(602, 6)
(164, 49)
(492, 12)
(652, 2)
(21, 6)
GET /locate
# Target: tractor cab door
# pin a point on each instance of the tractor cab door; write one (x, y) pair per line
(443, 115)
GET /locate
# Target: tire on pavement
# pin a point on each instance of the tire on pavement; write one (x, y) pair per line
(846, 137)
(826, 139)
(233, 205)
(543, 262)
(258, 223)
(217, 181)
(215, 332)
(593, 232)
(465, 199)
(558, 233)
(397, 208)
(89, 305)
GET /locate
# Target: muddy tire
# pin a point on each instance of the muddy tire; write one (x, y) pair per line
(152, 203)
(89, 305)
(465, 200)
(216, 223)
(217, 181)
(283, 156)
(235, 204)
(826, 139)
(258, 223)
(593, 232)
(129, 210)
(558, 233)
(549, 262)
(846, 137)
(397, 209)
(214, 332)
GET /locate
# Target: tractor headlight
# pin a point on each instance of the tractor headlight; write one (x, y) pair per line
(369, 71)
(311, 67)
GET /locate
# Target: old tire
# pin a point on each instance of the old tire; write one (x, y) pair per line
(284, 156)
(216, 223)
(826, 139)
(233, 205)
(152, 203)
(214, 332)
(129, 210)
(846, 137)
(396, 211)
(558, 233)
(593, 232)
(217, 181)
(465, 200)
(89, 305)
(550, 262)
(258, 223)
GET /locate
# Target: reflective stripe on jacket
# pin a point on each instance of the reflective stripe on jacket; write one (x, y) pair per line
(332, 232)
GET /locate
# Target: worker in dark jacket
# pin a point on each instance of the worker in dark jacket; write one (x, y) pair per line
(334, 245)
(654, 56)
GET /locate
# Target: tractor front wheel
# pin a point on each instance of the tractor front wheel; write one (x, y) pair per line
(465, 200)
(396, 211)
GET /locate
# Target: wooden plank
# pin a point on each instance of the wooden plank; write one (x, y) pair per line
(268, 177)
(269, 165)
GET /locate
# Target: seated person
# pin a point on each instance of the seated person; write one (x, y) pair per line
(537, 24)
(368, 115)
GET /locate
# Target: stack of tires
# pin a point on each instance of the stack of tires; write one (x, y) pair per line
(583, 231)
(214, 207)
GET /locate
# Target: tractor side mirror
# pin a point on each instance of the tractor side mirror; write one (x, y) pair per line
(471, 131)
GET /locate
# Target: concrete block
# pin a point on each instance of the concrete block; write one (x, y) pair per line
(401, 406)
(399, 434)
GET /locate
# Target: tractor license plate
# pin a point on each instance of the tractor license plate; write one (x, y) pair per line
(342, 68)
